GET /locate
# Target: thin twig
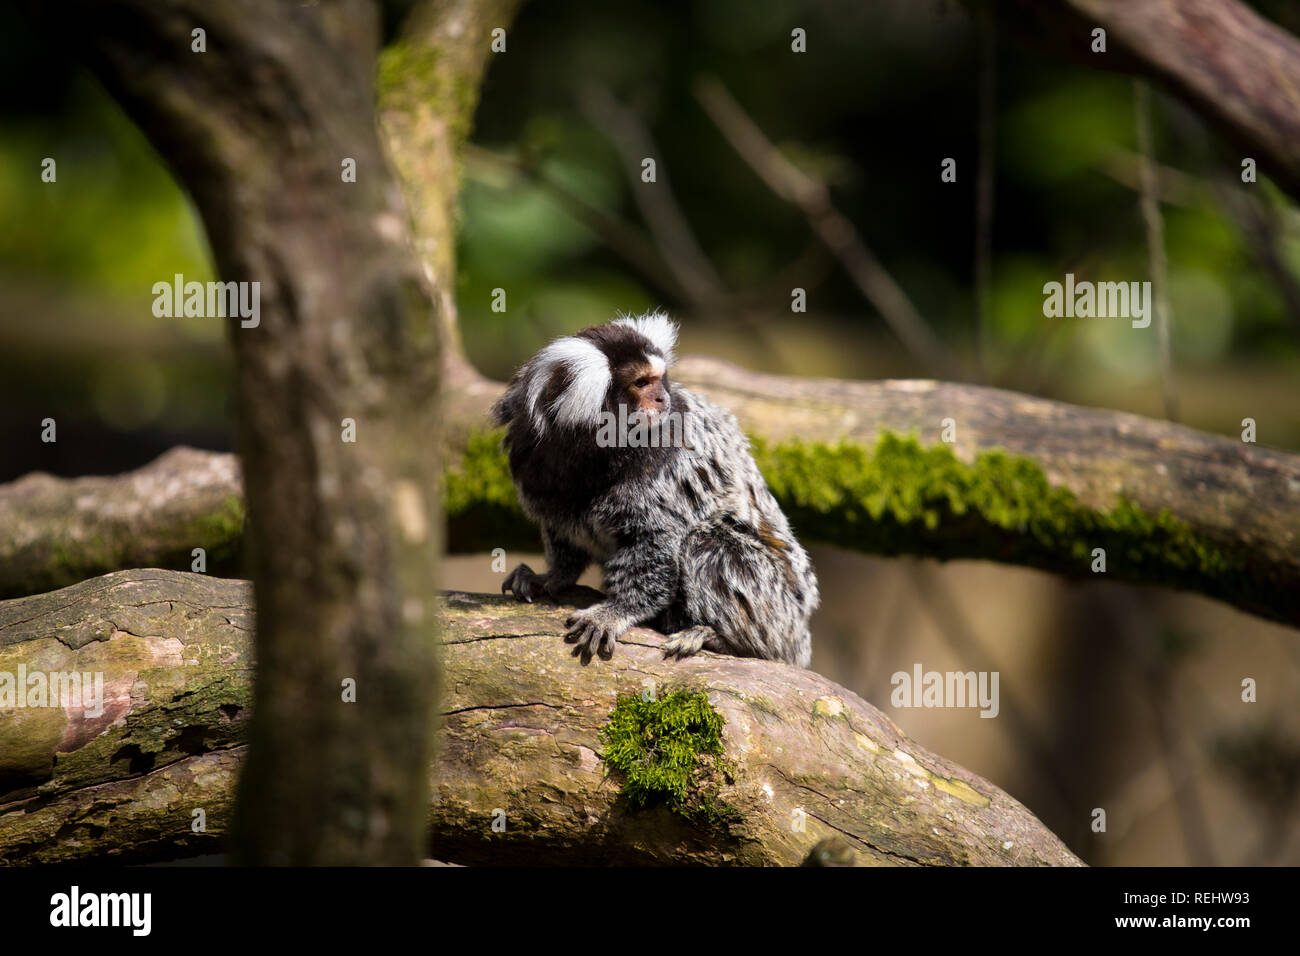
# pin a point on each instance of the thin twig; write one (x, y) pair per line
(1177, 759)
(813, 198)
(622, 239)
(808, 270)
(668, 225)
(1259, 226)
(1136, 622)
(633, 246)
(1150, 202)
(1173, 186)
(706, 292)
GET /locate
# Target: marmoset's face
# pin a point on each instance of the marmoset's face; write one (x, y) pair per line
(643, 386)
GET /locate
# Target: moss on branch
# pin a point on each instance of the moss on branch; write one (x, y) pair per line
(900, 497)
(669, 750)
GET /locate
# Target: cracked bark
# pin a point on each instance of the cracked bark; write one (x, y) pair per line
(519, 733)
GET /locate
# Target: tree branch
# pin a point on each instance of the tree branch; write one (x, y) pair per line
(1170, 505)
(428, 86)
(57, 531)
(1238, 69)
(521, 733)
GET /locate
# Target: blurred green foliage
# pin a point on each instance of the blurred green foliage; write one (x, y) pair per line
(117, 215)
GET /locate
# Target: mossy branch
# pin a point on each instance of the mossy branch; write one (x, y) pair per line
(634, 760)
(57, 531)
(857, 464)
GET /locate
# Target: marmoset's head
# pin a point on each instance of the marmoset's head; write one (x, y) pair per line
(572, 381)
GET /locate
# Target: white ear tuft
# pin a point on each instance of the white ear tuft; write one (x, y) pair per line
(657, 327)
(588, 381)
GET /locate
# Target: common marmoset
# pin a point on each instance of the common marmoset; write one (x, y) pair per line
(623, 467)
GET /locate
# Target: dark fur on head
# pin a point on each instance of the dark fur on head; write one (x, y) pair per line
(689, 536)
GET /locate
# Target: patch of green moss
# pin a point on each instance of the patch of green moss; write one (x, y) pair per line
(403, 68)
(669, 751)
(413, 72)
(65, 562)
(480, 502)
(901, 497)
(480, 477)
(220, 532)
(60, 568)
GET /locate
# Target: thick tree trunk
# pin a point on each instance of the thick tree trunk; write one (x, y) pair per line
(521, 745)
(342, 533)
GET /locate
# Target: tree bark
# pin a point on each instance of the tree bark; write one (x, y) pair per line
(520, 743)
(343, 535)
